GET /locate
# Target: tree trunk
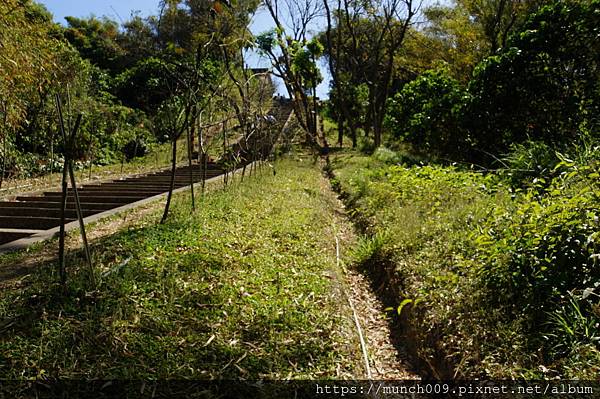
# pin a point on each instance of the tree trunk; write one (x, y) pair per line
(377, 136)
(3, 160)
(225, 153)
(340, 123)
(172, 184)
(190, 165)
(378, 119)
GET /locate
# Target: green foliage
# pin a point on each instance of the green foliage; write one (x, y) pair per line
(137, 39)
(171, 118)
(29, 61)
(371, 250)
(96, 40)
(544, 85)
(528, 162)
(456, 38)
(401, 156)
(116, 78)
(426, 113)
(575, 323)
(304, 62)
(364, 46)
(352, 99)
(387, 156)
(266, 41)
(242, 288)
(471, 30)
(541, 86)
(536, 163)
(315, 48)
(145, 85)
(42, 63)
(507, 280)
(366, 145)
(542, 249)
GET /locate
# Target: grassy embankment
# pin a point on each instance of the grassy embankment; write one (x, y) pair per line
(246, 286)
(489, 280)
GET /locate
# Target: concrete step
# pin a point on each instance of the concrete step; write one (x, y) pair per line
(179, 176)
(140, 184)
(11, 236)
(196, 176)
(29, 214)
(85, 195)
(30, 222)
(196, 167)
(167, 180)
(55, 204)
(122, 190)
(187, 171)
(146, 185)
(45, 212)
(94, 199)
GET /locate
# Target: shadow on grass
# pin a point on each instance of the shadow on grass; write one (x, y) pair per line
(138, 323)
(405, 334)
(166, 306)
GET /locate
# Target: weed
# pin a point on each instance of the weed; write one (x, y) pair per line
(234, 290)
(490, 266)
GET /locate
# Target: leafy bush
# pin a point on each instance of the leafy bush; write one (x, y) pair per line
(530, 161)
(366, 145)
(575, 323)
(535, 254)
(391, 157)
(137, 147)
(371, 249)
(387, 156)
(146, 85)
(426, 113)
(499, 275)
(545, 85)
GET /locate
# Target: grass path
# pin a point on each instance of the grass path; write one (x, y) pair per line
(245, 287)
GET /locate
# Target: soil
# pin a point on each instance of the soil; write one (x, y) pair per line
(387, 357)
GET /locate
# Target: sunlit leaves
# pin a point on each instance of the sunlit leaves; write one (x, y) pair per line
(426, 112)
(28, 57)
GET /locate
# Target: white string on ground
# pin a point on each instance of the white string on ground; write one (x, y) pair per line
(363, 344)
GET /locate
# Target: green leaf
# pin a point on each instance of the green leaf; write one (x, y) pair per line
(403, 304)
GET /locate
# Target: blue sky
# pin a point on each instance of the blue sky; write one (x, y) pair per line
(122, 10)
(111, 8)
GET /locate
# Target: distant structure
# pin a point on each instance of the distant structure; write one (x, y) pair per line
(264, 74)
(260, 70)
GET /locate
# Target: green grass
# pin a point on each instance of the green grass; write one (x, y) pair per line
(330, 130)
(414, 221)
(244, 287)
(484, 276)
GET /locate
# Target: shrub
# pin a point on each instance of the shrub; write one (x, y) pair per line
(505, 280)
(545, 85)
(530, 161)
(425, 113)
(145, 85)
(541, 250)
(535, 256)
